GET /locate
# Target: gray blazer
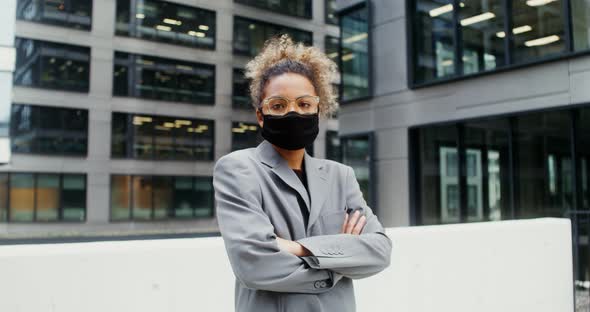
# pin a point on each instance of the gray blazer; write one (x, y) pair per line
(257, 199)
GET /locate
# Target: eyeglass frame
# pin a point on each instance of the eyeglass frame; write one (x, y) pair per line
(289, 101)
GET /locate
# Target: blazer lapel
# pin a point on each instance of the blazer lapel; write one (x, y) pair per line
(269, 156)
(317, 183)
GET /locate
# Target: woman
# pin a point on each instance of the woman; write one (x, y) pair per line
(284, 215)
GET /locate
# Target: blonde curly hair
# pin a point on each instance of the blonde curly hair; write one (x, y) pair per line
(280, 55)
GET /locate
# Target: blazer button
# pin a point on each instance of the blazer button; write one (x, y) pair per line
(317, 284)
(323, 284)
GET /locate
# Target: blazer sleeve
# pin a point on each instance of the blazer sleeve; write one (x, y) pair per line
(353, 256)
(249, 238)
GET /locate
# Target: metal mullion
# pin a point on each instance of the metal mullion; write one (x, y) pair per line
(574, 152)
(568, 25)
(512, 149)
(485, 182)
(457, 37)
(60, 205)
(508, 32)
(35, 176)
(153, 208)
(462, 172)
(131, 203)
(8, 188)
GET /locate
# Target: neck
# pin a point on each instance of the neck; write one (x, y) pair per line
(294, 158)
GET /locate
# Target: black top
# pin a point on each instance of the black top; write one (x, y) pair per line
(303, 177)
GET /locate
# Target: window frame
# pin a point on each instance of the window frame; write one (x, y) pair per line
(262, 7)
(63, 130)
(68, 4)
(133, 23)
(265, 24)
(152, 219)
(358, 6)
(130, 140)
(508, 46)
(60, 219)
(370, 135)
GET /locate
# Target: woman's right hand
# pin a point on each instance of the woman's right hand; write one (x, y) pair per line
(353, 224)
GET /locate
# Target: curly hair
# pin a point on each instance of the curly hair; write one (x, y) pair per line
(280, 55)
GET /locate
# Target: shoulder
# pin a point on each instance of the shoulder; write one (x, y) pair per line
(236, 160)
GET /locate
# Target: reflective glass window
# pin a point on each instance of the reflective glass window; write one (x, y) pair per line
(330, 12)
(299, 8)
(244, 135)
(357, 153)
(250, 35)
(47, 197)
(51, 65)
(240, 90)
(120, 197)
(3, 197)
(355, 69)
(166, 22)
(73, 195)
(66, 13)
(163, 79)
(333, 147)
(22, 197)
(142, 188)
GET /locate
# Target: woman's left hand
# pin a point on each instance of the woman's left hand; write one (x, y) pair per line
(293, 247)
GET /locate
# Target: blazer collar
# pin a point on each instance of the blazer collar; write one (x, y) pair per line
(316, 177)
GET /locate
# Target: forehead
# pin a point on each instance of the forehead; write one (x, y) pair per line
(290, 85)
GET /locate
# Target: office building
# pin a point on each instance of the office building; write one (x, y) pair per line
(120, 108)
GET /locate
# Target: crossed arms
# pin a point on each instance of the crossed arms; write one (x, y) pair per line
(261, 260)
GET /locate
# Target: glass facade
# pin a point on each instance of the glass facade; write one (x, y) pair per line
(151, 137)
(42, 197)
(49, 130)
(240, 90)
(146, 197)
(451, 40)
(498, 168)
(330, 12)
(357, 152)
(299, 8)
(333, 146)
(51, 65)
(244, 135)
(332, 48)
(163, 79)
(154, 137)
(249, 35)
(66, 13)
(166, 22)
(354, 56)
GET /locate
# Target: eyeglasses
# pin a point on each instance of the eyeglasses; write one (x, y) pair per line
(279, 105)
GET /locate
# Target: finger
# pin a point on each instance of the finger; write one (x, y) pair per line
(352, 221)
(359, 225)
(343, 229)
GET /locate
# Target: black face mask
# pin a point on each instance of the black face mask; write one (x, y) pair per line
(291, 131)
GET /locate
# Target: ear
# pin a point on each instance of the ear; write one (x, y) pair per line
(260, 118)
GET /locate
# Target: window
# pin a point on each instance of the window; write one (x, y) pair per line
(240, 90)
(50, 65)
(49, 130)
(331, 44)
(250, 35)
(357, 152)
(42, 197)
(354, 60)
(65, 13)
(135, 197)
(486, 35)
(330, 12)
(166, 22)
(163, 79)
(244, 135)
(153, 137)
(520, 166)
(333, 147)
(299, 8)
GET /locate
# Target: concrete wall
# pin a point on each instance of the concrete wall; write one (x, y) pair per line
(509, 266)
(395, 107)
(100, 103)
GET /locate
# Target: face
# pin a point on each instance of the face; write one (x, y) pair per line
(289, 85)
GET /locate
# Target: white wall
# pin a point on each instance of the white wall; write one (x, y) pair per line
(495, 266)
